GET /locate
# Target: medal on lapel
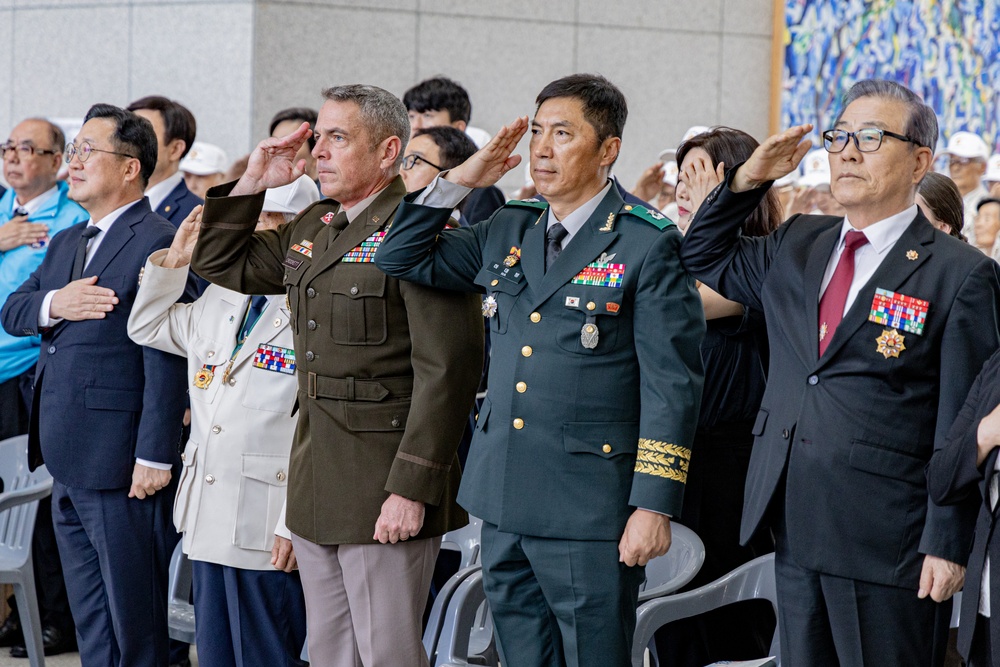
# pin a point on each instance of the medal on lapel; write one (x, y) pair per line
(589, 334)
(513, 258)
(204, 377)
(890, 343)
(489, 306)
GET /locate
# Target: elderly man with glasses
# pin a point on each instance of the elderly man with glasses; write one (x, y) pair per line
(106, 412)
(34, 209)
(878, 325)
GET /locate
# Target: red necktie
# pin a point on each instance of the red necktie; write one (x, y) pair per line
(831, 306)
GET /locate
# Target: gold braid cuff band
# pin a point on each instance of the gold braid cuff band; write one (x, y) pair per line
(661, 459)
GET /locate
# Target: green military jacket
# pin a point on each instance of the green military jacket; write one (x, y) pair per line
(387, 369)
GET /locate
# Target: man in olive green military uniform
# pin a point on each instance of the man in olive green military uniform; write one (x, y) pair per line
(582, 444)
(373, 471)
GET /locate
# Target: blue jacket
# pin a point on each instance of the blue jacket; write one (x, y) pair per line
(100, 401)
(19, 353)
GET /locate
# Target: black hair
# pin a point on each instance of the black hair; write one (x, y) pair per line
(439, 94)
(604, 105)
(300, 114)
(456, 147)
(731, 146)
(134, 136)
(178, 121)
(986, 200)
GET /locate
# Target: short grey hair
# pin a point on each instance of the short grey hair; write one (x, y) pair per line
(921, 126)
(382, 113)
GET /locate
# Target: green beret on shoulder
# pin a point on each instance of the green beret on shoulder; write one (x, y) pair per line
(537, 204)
(654, 218)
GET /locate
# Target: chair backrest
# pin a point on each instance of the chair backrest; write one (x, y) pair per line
(20, 487)
(676, 568)
(750, 581)
(465, 540)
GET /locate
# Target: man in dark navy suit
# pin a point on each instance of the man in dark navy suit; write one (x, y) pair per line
(175, 129)
(106, 413)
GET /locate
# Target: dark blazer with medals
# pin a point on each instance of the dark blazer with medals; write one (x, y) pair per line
(846, 436)
(952, 477)
(596, 374)
(100, 399)
(387, 370)
(176, 206)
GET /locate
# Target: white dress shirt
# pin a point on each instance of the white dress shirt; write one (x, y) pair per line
(33, 205)
(881, 236)
(157, 193)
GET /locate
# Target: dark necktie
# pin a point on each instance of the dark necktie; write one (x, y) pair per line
(337, 225)
(19, 211)
(257, 305)
(831, 306)
(81, 251)
(553, 243)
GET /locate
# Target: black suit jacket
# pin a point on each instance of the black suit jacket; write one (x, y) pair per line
(952, 477)
(100, 399)
(846, 437)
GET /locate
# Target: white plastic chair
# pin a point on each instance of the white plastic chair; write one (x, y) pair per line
(751, 581)
(18, 509)
(466, 636)
(465, 540)
(180, 611)
(675, 569)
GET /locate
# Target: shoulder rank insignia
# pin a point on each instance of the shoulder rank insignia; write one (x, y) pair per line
(651, 216)
(609, 224)
(534, 203)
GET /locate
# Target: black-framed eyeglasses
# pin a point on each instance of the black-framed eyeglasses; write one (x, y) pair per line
(25, 150)
(867, 140)
(84, 150)
(410, 161)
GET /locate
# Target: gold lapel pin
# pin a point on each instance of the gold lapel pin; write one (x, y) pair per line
(911, 255)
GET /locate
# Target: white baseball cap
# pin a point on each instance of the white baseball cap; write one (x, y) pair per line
(815, 169)
(967, 145)
(479, 136)
(204, 159)
(693, 131)
(992, 169)
(670, 172)
(291, 198)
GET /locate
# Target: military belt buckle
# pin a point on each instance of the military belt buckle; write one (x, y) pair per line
(311, 384)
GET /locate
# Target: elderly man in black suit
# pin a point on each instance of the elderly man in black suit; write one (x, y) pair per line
(878, 324)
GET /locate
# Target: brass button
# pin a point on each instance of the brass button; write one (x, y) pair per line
(216, 429)
(590, 328)
(526, 351)
(495, 283)
(354, 290)
(395, 422)
(521, 387)
(209, 479)
(536, 317)
(310, 292)
(310, 356)
(591, 305)
(280, 476)
(518, 423)
(232, 382)
(606, 448)
(311, 325)
(628, 207)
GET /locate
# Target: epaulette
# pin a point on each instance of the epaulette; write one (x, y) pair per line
(534, 203)
(653, 217)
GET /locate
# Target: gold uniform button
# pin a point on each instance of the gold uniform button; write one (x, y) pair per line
(591, 305)
(606, 448)
(526, 351)
(216, 429)
(518, 423)
(281, 475)
(628, 207)
(590, 328)
(536, 317)
(495, 283)
(521, 387)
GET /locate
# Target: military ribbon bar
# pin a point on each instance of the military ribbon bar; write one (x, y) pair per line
(899, 311)
(366, 251)
(601, 275)
(273, 358)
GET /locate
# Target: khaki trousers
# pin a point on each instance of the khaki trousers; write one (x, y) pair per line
(365, 602)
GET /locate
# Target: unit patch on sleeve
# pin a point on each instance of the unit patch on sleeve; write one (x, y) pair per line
(366, 251)
(274, 358)
(899, 311)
